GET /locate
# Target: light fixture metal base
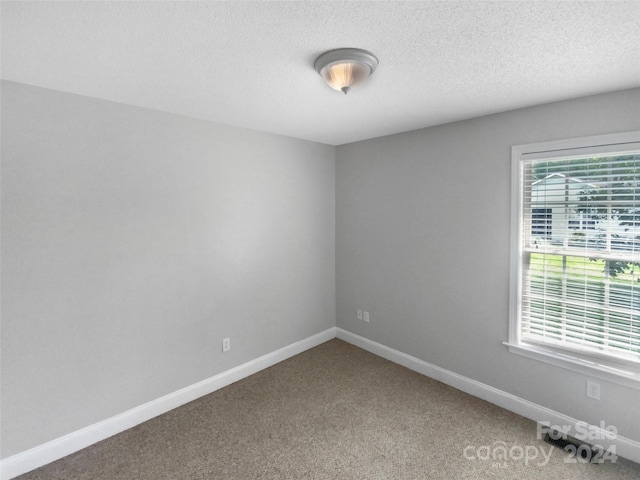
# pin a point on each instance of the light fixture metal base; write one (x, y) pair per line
(347, 54)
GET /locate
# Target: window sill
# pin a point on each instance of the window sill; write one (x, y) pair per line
(629, 376)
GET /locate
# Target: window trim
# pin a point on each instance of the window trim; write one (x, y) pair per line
(616, 371)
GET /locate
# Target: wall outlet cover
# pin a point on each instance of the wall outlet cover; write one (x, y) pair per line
(593, 390)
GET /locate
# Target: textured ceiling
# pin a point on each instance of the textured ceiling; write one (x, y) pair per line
(250, 64)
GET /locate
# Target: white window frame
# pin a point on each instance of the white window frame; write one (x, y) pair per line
(614, 370)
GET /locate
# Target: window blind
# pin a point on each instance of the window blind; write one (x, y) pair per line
(580, 252)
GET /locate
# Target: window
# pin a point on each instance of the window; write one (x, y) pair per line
(541, 222)
(575, 297)
(582, 221)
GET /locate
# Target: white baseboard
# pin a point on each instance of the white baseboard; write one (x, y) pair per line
(60, 447)
(625, 447)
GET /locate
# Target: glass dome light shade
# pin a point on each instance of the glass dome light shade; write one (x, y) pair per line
(344, 76)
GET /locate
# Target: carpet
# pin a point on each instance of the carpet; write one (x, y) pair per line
(332, 412)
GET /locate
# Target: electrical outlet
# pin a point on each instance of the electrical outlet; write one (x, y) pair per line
(359, 314)
(593, 390)
(365, 316)
(226, 344)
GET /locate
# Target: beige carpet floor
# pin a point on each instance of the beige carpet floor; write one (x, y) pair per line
(333, 412)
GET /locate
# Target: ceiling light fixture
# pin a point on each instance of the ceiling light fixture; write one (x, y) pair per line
(346, 68)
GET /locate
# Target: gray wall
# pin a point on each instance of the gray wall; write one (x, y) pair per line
(422, 243)
(133, 241)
